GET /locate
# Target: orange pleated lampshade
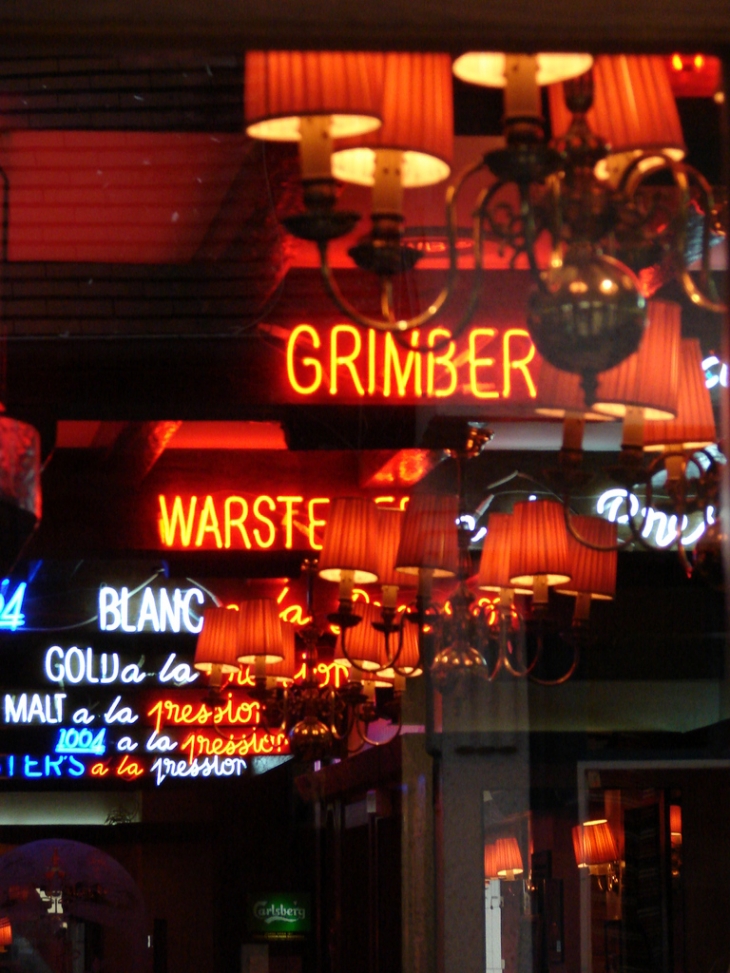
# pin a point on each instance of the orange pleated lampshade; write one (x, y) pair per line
(694, 426)
(285, 670)
(594, 844)
(509, 858)
(675, 819)
(283, 86)
(217, 643)
(259, 631)
(494, 563)
(404, 652)
(634, 108)
(560, 393)
(648, 379)
(350, 541)
(390, 526)
(429, 537)
(539, 545)
(490, 861)
(6, 933)
(417, 120)
(365, 644)
(592, 572)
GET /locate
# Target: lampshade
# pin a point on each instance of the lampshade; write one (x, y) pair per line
(694, 426)
(417, 121)
(488, 68)
(408, 660)
(217, 643)
(494, 564)
(429, 538)
(6, 933)
(283, 86)
(490, 861)
(508, 858)
(560, 393)
(539, 545)
(634, 108)
(349, 541)
(594, 845)
(259, 631)
(390, 526)
(648, 379)
(675, 820)
(365, 644)
(285, 670)
(593, 572)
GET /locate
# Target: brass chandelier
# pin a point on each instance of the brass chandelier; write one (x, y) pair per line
(590, 212)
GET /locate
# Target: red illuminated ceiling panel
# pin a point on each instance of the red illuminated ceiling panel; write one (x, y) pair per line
(115, 197)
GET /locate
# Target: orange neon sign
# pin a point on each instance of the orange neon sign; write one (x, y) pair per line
(256, 743)
(347, 363)
(230, 522)
(238, 712)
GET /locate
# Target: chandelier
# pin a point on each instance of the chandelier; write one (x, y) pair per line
(596, 213)
(412, 603)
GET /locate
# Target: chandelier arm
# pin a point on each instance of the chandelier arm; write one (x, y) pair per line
(522, 673)
(380, 743)
(566, 675)
(385, 324)
(530, 224)
(386, 300)
(682, 175)
(332, 717)
(710, 301)
(574, 533)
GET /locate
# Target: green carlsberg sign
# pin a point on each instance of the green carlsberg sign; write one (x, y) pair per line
(275, 916)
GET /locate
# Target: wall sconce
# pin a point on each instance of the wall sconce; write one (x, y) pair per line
(595, 849)
(675, 831)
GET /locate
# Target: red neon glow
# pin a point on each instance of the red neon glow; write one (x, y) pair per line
(487, 364)
(256, 743)
(168, 712)
(129, 768)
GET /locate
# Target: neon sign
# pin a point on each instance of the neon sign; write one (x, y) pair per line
(210, 767)
(243, 523)
(75, 666)
(43, 708)
(486, 364)
(158, 614)
(11, 607)
(71, 740)
(666, 528)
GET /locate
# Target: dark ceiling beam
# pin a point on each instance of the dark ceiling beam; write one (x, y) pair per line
(113, 25)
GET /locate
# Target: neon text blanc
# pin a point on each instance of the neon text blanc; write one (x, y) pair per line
(151, 610)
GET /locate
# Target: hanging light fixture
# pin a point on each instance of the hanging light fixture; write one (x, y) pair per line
(593, 557)
(312, 98)
(6, 934)
(596, 852)
(216, 647)
(412, 149)
(508, 858)
(586, 192)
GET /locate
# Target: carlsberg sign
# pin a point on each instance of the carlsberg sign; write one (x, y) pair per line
(274, 916)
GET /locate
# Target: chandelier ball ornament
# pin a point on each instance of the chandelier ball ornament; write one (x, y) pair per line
(310, 738)
(587, 316)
